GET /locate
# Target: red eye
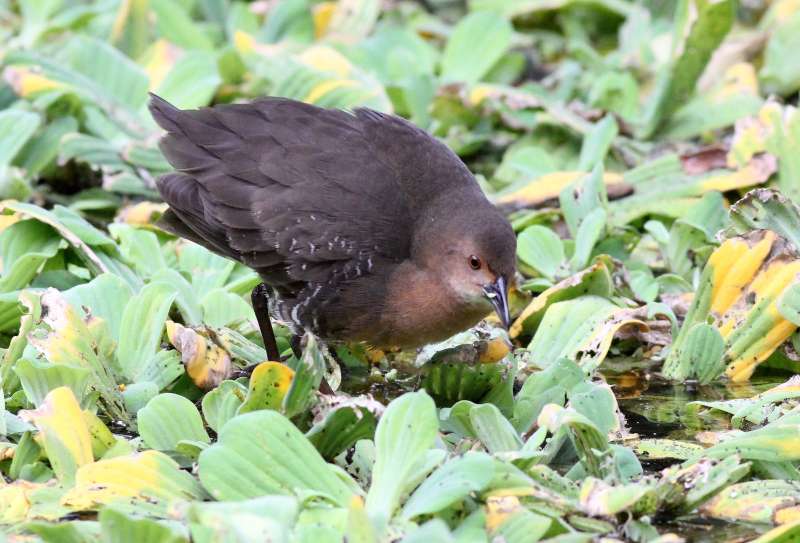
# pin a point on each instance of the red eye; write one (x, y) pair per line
(474, 262)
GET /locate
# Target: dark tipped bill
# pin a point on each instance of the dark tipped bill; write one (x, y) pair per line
(497, 293)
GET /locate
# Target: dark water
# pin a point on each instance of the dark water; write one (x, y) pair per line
(654, 408)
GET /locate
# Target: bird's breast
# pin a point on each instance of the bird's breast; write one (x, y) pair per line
(420, 308)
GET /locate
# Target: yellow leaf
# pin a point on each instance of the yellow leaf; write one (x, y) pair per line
(548, 187)
(783, 10)
(269, 384)
(101, 437)
(160, 60)
(123, 16)
(64, 432)
(749, 275)
(758, 170)
(739, 78)
(735, 263)
(787, 515)
(207, 363)
(141, 213)
(322, 14)
(149, 476)
(26, 82)
(326, 59)
(596, 279)
(496, 350)
(8, 220)
(753, 133)
(479, 93)
(321, 89)
(244, 42)
(14, 501)
(498, 509)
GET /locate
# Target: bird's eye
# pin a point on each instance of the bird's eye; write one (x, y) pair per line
(474, 262)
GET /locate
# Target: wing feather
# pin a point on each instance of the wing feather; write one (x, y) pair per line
(311, 198)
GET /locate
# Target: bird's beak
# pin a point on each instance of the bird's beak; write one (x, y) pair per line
(497, 293)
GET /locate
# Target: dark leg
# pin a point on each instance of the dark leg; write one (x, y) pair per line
(296, 346)
(261, 307)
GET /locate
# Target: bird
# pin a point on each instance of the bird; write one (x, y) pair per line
(363, 227)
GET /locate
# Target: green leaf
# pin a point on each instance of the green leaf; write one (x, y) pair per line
(541, 249)
(778, 73)
(142, 327)
(567, 327)
(262, 453)
(789, 304)
(119, 527)
(493, 429)
(16, 128)
(307, 378)
(405, 432)
(168, 419)
(174, 23)
(221, 308)
(450, 484)
(776, 442)
(582, 198)
(597, 143)
(186, 300)
(342, 428)
(136, 395)
(702, 353)
(589, 232)
(266, 518)
(694, 40)
(523, 526)
(38, 378)
(547, 386)
(478, 41)
(24, 247)
(596, 402)
(104, 295)
(589, 442)
(139, 247)
(221, 404)
(192, 81)
(767, 209)
(205, 270)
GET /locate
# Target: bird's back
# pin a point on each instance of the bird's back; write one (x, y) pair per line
(313, 199)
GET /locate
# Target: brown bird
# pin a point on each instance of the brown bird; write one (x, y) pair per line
(362, 226)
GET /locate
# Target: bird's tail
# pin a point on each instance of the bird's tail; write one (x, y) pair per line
(164, 113)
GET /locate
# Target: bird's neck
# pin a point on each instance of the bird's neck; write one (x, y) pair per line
(422, 307)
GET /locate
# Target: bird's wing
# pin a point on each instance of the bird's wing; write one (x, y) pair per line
(290, 189)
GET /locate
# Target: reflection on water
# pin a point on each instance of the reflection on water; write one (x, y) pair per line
(654, 408)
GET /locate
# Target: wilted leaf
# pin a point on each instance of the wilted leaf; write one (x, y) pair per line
(148, 480)
(64, 432)
(207, 363)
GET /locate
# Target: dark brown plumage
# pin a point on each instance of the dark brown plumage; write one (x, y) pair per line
(364, 227)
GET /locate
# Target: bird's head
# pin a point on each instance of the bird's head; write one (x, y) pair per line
(475, 254)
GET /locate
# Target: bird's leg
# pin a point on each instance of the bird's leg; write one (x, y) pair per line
(297, 348)
(260, 300)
